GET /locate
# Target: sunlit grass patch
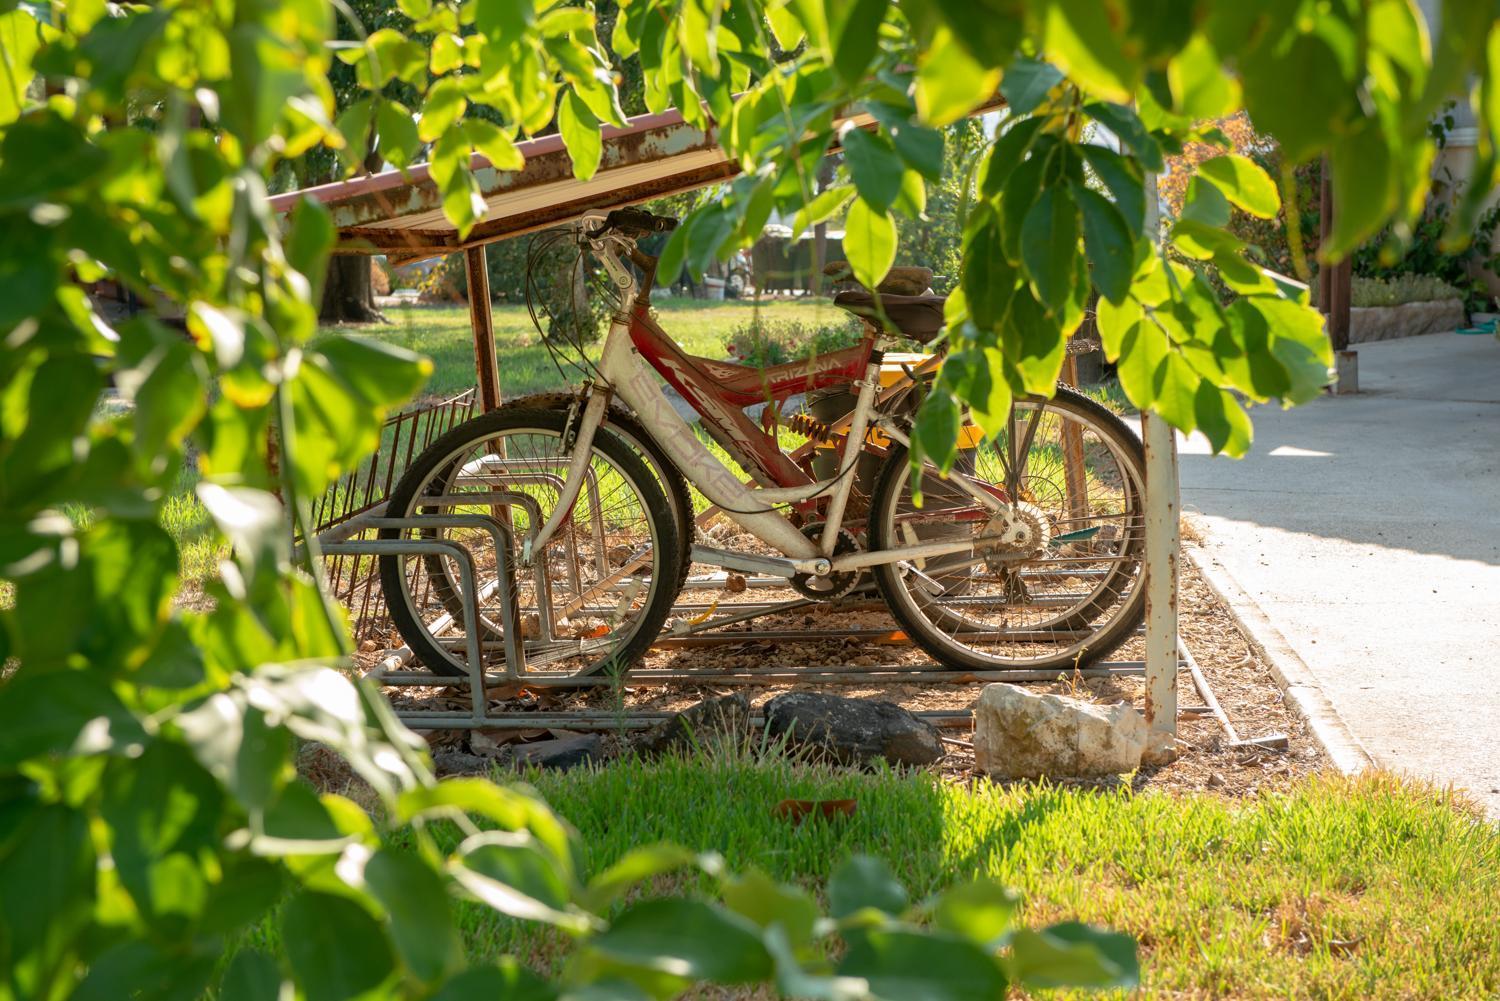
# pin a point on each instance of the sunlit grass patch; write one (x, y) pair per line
(1339, 888)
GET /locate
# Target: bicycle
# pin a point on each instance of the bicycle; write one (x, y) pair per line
(1026, 555)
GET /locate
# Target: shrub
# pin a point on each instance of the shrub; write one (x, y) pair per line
(761, 342)
(1397, 291)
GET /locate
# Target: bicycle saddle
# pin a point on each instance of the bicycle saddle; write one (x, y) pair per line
(898, 281)
(919, 317)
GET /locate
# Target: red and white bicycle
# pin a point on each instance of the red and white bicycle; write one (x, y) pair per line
(1026, 555)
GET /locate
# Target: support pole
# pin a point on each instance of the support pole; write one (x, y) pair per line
(1162, 543)
(1334, 296)
(486, 367)
(1160, 569)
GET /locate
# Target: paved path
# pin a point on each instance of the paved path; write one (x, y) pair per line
(1368, 530)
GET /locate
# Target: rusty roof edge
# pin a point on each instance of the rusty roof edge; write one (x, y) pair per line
(338, 191)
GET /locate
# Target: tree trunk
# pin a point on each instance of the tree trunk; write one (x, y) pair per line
(820, 232)
(348, 294)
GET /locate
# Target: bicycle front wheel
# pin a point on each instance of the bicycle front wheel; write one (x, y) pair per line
(593, 599)
(1072, 594)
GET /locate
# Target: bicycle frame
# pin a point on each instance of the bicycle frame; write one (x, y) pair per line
(634, 339)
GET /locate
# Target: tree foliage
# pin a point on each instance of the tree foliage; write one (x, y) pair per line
(151, 812)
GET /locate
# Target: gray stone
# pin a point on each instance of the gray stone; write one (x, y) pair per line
(1020, 734)
(726, 718)
(451, 762)
(853, 731)
(561, 754)
(1383, 323)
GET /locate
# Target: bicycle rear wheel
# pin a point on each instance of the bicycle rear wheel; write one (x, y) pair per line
(1072, 597)
(593, 599)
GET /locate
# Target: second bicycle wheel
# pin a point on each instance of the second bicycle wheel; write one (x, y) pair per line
(1072, 595)
(593, 599)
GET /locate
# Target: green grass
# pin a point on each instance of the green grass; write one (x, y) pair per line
(1336, 889)
(443, 334)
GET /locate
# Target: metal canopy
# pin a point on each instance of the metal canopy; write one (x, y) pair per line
(399, 213)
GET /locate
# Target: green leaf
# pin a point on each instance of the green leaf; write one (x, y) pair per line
(1020, 195)
(822, 208)
(869, 242)
(767, 902)
(856, 37)
(1006, 155)
(504, 22)
(1363, 189)
(1106, 238)
(935, 439)
(1222, 420)
(1244, 183)
(62, 712)
(254, 523)
(1127, 126)
(444, 107)
(1205, 203)
(989, 279)
(511, 873)
(1201, 88)
(1074, 955)
(581, 135)
(508, 981)
(1300, 88)
(308, 241)
(863, 881)
(1123, 180)
(1299, 342)
(635, 867)
(47, 868)
(950, 81)
(901, 964)
(686, 938)
(353, 124)
(19, 41)
(463, 202)
(1081, 37)
(874, 167)
(982, 911)
(497, 147)
(976, 376)
(399, 143)
(1027, 82)
(421, 917)
(919, 146)
(336, 949)
(1049, 246)
(1143, 349)
(250, 976)
(510, 807)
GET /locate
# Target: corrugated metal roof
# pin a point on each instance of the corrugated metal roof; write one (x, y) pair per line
(399, 213)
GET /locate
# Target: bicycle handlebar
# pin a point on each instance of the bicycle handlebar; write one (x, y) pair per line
(637, 222)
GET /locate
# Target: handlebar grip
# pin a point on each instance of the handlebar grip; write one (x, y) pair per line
(634, 220)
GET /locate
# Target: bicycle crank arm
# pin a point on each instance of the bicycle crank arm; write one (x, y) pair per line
(773, 566)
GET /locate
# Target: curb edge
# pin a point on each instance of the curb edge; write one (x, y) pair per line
(1299, 685)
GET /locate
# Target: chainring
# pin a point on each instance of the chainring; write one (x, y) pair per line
(834, 585)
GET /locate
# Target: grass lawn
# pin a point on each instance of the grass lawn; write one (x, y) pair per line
(443, 334)
(1366, 888)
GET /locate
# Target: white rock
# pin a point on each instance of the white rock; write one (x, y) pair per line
(1022, 735)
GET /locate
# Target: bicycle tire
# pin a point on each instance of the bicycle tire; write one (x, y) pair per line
(1128, 447)
(404, 500)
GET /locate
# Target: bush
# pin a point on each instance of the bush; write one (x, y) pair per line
(1397, 291)
(774, 342)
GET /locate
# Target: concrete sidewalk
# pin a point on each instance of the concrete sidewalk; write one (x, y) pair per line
(1367, 528)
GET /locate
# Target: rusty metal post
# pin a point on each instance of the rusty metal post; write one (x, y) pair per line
(486, 367)
(1075, 471)
(1160, 569)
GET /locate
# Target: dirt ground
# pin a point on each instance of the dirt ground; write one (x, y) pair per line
(1205, 761)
